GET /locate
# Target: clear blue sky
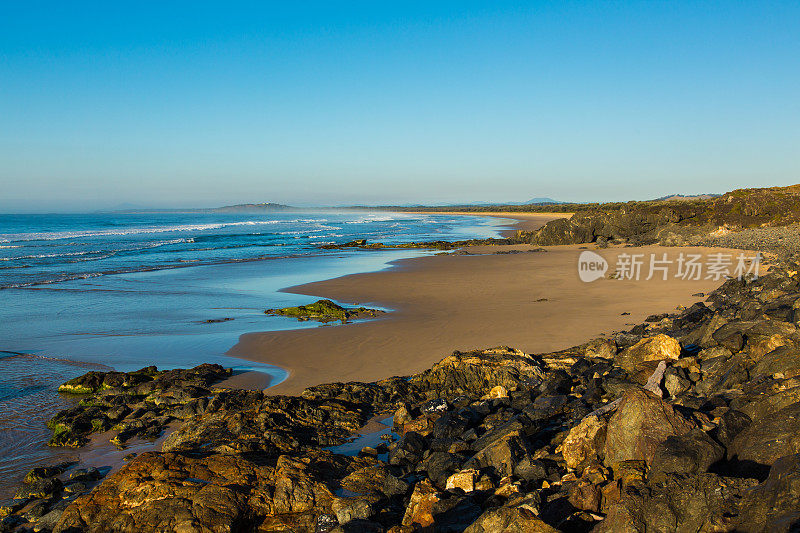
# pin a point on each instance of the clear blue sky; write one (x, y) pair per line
(200, 103)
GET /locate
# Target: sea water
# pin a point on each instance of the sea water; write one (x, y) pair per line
(121, 291)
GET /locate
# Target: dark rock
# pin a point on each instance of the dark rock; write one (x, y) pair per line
(640, 424)
(409, 449)
(704, 502)
(41, 488)
(502, 456)
(439, 466)
(768, 438)
(42, 472)
(691, 453)
(774, 505)
(730, 425)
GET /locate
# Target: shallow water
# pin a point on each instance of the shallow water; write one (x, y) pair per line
(149, 312)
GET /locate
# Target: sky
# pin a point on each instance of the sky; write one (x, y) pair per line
(198, 103)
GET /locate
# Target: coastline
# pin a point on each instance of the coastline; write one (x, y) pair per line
(531, 301)
(522, 221)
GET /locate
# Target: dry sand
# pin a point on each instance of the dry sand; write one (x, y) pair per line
(531, 301)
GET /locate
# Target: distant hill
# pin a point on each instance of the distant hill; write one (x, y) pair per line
(686, 197)
(532, 201)
(542, 201)
(252, 208)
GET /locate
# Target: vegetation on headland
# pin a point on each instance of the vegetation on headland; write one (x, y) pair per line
(326, 311)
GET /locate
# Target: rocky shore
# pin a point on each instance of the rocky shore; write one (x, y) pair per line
(687, 422)
(763, 219)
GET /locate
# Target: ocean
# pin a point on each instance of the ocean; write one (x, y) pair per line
(103, 291)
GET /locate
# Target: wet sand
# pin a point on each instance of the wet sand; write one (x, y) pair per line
(533, 301)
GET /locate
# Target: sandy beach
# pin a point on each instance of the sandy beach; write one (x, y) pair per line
(533, 301)
(522, 221)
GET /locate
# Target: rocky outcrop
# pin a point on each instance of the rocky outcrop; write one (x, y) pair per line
(326, 311)
(140, 403)
(670, 223)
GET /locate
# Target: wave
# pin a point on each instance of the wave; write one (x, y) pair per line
(101, 253)
(180, 263)
(57, 235)
(372, 218)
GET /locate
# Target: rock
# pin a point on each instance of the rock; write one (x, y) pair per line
(731, 424)
(774, 505)
(349, 509)
(641, 422)
(502, 455)
(509, 520)
(474, 374)
(731, 336)
(691, 453)
(439, 466)
(464, 480)
(408, 450)
(784, 360)
(325, 311)
(420, 510)
(655, 348)
(42, 472)
(675, 382)
(41, 488)
(601, 348)
(437, 405)
(584, 442)
(402, 416)
(585, 496)
(769, 438)
(498, 392)
(705, 502)
(160, 395)
(168, 491)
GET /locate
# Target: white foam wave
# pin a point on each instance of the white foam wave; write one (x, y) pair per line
(57, 235)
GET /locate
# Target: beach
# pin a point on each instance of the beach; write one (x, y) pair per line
(521, 221)
(530, 300)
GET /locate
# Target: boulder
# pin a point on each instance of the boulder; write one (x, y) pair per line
(474, 374)
(704, 502)
(641, 422)
(601, 348)
(657, 348)
(408, 450)
(784, 360)
(509, 520)
(420, 509)
(692, 453)
(585, 442)
(774, 506)
(769, 437)
(464, 480)
(502, 456)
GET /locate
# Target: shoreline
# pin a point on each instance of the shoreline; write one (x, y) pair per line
(522, 221)
(531, 301)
